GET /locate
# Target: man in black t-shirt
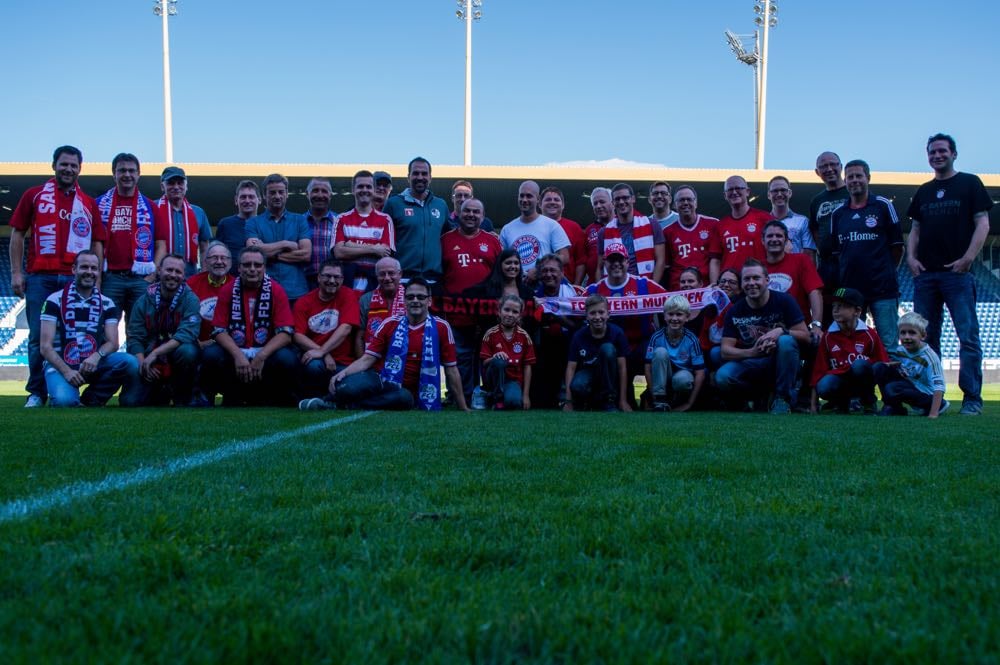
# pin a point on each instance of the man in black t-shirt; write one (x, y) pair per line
(761, 340)
(821, 208)
(869, 245)
(950, 223)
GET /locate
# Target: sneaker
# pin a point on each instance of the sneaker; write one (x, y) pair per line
(890, 411)
(780, 407)
(854, 406)
(971, 409)
(316, 404)
(34, 402)
(661, 407)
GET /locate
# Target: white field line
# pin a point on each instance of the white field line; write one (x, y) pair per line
(79, 491)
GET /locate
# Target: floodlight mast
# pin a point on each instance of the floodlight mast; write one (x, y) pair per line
(165, 9)
(468, 11)
(766, 10)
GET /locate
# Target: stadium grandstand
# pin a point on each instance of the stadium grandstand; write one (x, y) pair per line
(212, 186)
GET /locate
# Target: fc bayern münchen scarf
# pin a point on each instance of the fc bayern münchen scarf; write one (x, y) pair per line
(163, 321)
(261, 319)
(79, 337)
(428, 392)
(142, 233)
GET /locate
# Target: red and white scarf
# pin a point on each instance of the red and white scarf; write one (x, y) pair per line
(49, 223)
(142, 232)
(166, 212)
(642, 242)
(379, 310)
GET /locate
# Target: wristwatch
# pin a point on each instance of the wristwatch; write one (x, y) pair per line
(817, 324)
(101, 353)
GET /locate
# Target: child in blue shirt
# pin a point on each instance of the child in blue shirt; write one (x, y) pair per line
(913, 374)
(675, 367)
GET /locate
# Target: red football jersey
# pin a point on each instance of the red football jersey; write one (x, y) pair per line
(411, 370)
(519, 349)
(318, 320)
(736, 240)
(688, 248)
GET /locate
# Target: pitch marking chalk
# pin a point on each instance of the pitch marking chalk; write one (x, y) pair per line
(22, 508)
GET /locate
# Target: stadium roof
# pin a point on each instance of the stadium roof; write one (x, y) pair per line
(212, 186)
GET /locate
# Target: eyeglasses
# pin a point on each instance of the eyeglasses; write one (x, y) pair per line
(735, 189)
(780, 190)
(417, 296)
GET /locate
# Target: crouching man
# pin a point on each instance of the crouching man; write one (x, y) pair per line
(79, 343)
(163, 336)
(251, 361)
(401, 366)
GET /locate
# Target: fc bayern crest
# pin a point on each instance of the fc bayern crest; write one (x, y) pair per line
(143, 238)
(81, 226)
(260, 336)
(871, 221)
(483, 248)
(238, 337)
(703, 235)
(940, 193)
(752, 228)
(517, 347)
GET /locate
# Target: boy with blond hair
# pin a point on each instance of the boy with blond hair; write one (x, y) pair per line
(675, 367)
(913, 374)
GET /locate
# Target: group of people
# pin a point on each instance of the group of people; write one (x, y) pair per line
(762, 309)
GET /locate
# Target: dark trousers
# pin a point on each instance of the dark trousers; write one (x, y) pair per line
(275, 388)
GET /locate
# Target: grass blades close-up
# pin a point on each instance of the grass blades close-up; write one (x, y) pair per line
(266, 535)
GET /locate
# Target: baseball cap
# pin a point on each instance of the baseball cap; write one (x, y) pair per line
(850, 296)
(381, 175)
(615, 248)
(172, 172)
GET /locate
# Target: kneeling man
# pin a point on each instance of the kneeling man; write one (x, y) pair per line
(402, 364)
(251, 361)
(79, 343)
(163, 336)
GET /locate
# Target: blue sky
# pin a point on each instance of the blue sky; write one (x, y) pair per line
(649, 81)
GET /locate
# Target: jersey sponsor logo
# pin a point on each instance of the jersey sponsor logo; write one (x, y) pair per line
(828, 208)
(683, 250)
(207, 308)
(871, 221)
(325, 321)
(463, 260)
(779, 281)
(857, 236)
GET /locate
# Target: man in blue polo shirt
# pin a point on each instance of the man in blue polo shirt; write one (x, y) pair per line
(283, 237)
(418, 217)
(869, 245)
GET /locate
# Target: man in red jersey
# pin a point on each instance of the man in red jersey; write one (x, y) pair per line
(686, 241)
(402, 365)
(467, 257)
(553, 205)
(325, 319)
(737, 236)
(59, 221)
(638, 328)
(794, 274)
(251, 361)
(364, 235)
(209, 284)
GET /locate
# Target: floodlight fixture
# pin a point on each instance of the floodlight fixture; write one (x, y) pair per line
(468, 11)
(165, 9)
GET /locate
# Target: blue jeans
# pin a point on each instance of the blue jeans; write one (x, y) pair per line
(897, 390)
(366, 390)
(667, 381)
(597, 384)
(314, 378)
(467, 344)
(38, 287)
(125, 290)
(858, 382)
(885, 314)
(932, 291)
(759, 375)
(500, 387)
(116, 370)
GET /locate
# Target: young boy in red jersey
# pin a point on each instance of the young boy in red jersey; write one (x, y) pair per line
(508, 354)
(846, 356)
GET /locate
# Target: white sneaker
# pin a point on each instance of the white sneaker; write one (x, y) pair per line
(34, 402)
(316, 404)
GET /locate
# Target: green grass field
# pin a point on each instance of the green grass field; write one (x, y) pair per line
(276, 536)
